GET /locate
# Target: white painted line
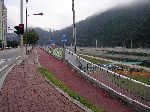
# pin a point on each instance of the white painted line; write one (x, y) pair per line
(18, 58)
(130, 99)
(3, 68)
(9, 59)
(2, 61)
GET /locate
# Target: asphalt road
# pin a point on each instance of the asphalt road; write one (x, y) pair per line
(7, 58)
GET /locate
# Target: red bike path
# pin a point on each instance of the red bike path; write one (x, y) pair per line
(78, 84)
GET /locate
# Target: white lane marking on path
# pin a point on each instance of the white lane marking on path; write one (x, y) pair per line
(3, 68)
(9, 59)
(18, 57)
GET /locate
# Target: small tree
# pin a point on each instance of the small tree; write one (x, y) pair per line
(32, 37)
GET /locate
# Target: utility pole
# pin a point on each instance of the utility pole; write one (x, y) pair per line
(21, 22)
(96, 43)
(74, 27)
(26, 26)
(131, 44)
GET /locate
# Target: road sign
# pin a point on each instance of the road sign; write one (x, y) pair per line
(63, 39)
(52, 41)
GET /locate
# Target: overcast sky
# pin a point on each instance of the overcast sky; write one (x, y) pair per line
(57, 13)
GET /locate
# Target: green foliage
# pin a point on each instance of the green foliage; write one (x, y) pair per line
(32, 37)
(71, 93)
(94, 60)
(128, 53)
(143, 79)
(115, 27)
(44, 36)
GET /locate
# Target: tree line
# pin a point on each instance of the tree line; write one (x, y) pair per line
(124, 26)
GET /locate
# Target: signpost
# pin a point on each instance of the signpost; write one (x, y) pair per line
(52, 41)
(63, 40)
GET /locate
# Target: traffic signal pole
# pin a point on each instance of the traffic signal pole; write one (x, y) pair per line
(21, 22)
(74, 27)
(26, 29)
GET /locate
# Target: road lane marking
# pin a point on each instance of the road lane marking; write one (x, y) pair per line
(3, 68)
(18, 58)
(2, 61)
(9, 59)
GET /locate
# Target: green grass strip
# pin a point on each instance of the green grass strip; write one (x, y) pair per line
(94, 60)
(71, 93)
(143, 79)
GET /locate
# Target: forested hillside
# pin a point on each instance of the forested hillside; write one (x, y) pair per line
(115, 27)
(44, 36)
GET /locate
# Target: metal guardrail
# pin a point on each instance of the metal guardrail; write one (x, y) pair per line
(132, 91)
(125, 87)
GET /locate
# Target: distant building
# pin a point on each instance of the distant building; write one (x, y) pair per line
(3, 22)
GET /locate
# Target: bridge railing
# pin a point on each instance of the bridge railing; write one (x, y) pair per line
(132, 90)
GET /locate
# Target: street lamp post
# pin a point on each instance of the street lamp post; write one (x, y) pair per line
(63, 40)
(27, 24)
(74, 27)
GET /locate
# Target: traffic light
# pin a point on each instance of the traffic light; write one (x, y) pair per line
(19, 29)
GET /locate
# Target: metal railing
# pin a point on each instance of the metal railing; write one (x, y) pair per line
(128, 88)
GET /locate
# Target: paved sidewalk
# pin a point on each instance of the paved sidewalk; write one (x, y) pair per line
(72, 79)
(24, 90)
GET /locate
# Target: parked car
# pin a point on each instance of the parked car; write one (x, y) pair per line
(110, 66)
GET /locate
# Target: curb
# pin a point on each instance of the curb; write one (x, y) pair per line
(67, 96)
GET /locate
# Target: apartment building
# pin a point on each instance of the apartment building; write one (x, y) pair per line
(1, 4)
(3, 23)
